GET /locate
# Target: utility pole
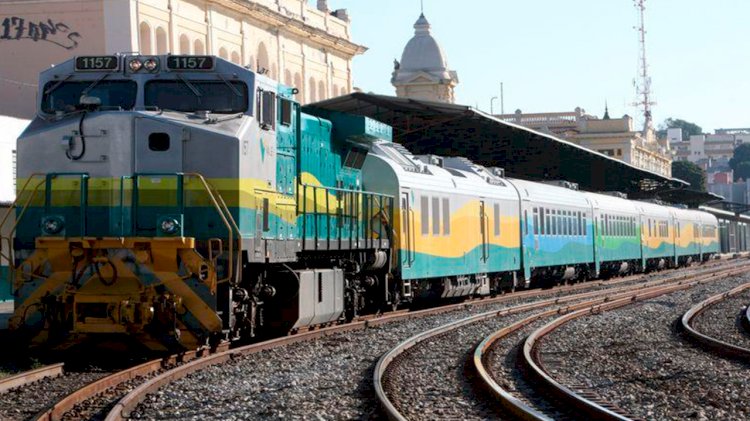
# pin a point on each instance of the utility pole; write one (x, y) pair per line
(502, 99)
(643, 87)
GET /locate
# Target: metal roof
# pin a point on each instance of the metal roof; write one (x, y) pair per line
(458, 130)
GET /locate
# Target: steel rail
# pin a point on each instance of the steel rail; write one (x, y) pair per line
(709, 342)
(191, 363)
(571, 398)
(31, 376)
(379, 376)
(128, 403)
(66, 404)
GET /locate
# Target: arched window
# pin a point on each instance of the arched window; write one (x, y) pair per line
(287, 78)
(223, 53)
(298, 85)
(335, 90)
(322, 91)
(184, 44)
(236, 57)
(162, 47)
(145, 32)
(198, 48)
(263, 62)
(311, 87)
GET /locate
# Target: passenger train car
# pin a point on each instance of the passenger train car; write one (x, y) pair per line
(175, 201)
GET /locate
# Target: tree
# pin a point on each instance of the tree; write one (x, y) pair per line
(742, 172)
(688, 128)
(688, 171)
(741, 154)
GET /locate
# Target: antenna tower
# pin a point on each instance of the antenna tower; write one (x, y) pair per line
(643, 87)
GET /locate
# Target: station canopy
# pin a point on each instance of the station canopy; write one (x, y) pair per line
(426, 127)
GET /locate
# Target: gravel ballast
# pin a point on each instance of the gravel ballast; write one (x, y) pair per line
(323, 379)
(635, 358)
(724, 320)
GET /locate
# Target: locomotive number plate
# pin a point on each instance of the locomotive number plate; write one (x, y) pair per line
(190, 63)
(97, 63)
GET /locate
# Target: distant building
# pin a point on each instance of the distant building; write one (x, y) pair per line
(307, 47)
(615, 137)
(423, 70)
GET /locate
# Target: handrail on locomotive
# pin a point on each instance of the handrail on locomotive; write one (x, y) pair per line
(233, 232)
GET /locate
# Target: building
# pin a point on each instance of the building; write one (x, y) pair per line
(615, 137)
(309, 48)
(423, 70)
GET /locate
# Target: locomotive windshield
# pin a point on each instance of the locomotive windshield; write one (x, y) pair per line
(216, 96)
(66, 96)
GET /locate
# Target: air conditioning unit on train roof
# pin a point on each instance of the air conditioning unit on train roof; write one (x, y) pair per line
(432, 160)
(619, 194)
(562, 183)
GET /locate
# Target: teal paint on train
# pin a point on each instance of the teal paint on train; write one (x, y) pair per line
(500, 259)
(619, 248)
(665, 249)
(571, 252)
(5, 287)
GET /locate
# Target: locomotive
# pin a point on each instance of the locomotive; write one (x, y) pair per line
(176, 201)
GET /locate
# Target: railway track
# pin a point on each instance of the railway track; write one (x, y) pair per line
(53, 393)
(578, 400)
(409, 355)
(115, 395)
(728, 341)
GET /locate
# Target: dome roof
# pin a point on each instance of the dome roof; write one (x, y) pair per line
(422, 52)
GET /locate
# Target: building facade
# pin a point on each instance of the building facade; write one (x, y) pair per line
(423, 70)
(307, 47)
(710, 150)
(615, 137)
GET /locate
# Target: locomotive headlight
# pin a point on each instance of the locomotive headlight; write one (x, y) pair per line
(135, 65)
(151, 64)
(52, 225)
(169, 226)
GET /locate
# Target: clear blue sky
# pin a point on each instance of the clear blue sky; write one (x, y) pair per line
(554, 55)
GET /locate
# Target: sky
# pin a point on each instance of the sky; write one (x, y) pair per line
(556, 55)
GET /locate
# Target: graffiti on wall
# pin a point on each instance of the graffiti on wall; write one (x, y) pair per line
(15, 28)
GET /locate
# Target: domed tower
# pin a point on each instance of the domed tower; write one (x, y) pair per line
(423, 71)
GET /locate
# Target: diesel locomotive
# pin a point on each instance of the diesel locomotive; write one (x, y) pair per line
(175, 201)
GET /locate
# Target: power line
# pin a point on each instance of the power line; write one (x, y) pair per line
(19, 83)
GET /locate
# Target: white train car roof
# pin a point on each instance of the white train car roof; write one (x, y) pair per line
(546, 194)
(607, 203)
(686, 214)
(653, 210)
(708, 219)
(413, 172)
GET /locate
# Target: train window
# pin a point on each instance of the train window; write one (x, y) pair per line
(405, 215)
(267, 109)
(435, 216)
(584, 224)
(66, 96)
(216, 96)
(571, 231)
(541, 221)
(425, 210)
(547, 223)
(580, 227)
(286, 111)
(649, 227)
(446, 216)
(606, 225)
(553, 220)
(496, 219)
(536, 221)
(526, 222)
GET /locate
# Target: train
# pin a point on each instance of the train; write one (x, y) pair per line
(174, 202)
